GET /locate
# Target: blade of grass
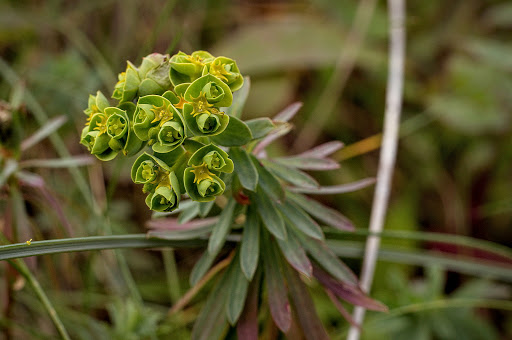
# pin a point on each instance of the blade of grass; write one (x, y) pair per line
(37, 248)
(25, 272)
(44, 131)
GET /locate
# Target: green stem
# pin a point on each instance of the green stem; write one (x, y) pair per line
(25, 272)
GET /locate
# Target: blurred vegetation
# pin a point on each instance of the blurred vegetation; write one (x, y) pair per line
(453, 173)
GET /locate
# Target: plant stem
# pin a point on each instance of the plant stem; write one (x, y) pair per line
(172, 275)
(396, 12)
(20, 266)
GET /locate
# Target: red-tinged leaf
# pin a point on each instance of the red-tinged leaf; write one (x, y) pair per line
(276, 286)
(247, 326)
(349, 293)
(323, 150)
(211, 324)
(346, 315)
(304, 307)
(336, 189)
(173, 224)
(322, 213)
(291, 175)
(280, 130)
(308, 163)
(295, 255)
(288, 113)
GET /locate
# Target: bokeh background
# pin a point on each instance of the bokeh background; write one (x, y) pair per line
(453, 174)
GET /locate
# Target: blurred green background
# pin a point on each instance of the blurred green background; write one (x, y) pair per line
(453, 172)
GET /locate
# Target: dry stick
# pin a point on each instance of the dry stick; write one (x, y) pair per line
(344, 66)
(396, 12)
(195, 289)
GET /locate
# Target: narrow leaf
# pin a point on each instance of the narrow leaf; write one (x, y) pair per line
(308, 163)
(58, 162)
(247, 326)
(280, 130)
(211, 324)
(323, 150)
(47, 129)
(189, 213)
(237, 291)
(237, 133)
(336, 189)
(300, 220)
(276, 286)
(172, 223)
(304, 307)
(239, 99)
(201, 267)
(327, 259)
(291, 175)
(269, 214)
(260, 127)
(244, 168)
(268, 182)
(10, 167)
(325, 214)
(184, 234)
(205, 207)
(289, 112)
(295, 254)
(222, 228)
(250, 248)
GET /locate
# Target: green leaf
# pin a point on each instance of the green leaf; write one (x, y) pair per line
(205, 207)
(269, 214)
(268, 182)
(244, 168)
(247, 326)
(237, 133)
(325, 214)
(239, 99)
(201, 267)
(308, 163)
(295, 255)
(327, 259)
(237, 291)
(182, 234)
(250, 248)
(291, 175)
(260, 127)
(276, 286)
(300, 220)
(189, 213)
(222, 228)
(304, 307)
(211, 324)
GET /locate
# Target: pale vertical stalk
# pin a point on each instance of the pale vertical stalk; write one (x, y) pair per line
(396, 12)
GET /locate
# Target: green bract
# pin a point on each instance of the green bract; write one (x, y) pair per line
(214, 157)
(187, 68)
(226, 70)
(157, 121)
(96, 104)
(201, 184)
(128, 84)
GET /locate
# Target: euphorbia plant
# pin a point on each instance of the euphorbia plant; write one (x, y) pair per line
(182, 114)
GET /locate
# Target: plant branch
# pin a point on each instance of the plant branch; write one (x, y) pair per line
(396, 12)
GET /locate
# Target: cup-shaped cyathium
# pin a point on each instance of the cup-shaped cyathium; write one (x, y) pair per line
(201, 110)
(226, 70)
(120, 130)
(127, 85)
(157, 121)
(187, 68)
(201, 184)
(98, 144)
(166, 198)
(215, 159)
(154, 74)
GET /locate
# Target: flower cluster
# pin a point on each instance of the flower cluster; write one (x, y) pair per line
(172, 106)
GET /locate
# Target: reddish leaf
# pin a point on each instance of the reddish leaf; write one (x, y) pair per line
(323, 150)
(247, 327)
(289, 112)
